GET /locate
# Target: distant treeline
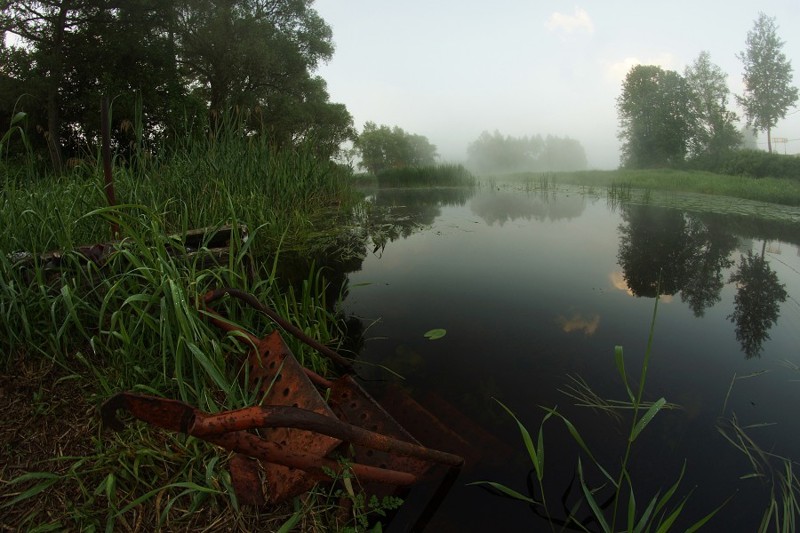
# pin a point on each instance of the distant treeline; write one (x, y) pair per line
(495, 153)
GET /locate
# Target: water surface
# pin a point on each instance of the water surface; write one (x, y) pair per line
(536, 288)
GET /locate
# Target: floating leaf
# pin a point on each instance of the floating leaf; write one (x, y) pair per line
(434, 334)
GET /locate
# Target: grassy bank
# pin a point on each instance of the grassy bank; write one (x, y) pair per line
(433, 176)
(74, 332)
(777, 191)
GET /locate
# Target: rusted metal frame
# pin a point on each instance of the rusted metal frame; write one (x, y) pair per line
(243, 442)
(319, 467)
(177, 416)
(204, 425)
(251, 300)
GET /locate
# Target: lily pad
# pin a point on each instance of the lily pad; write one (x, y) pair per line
(434, 334)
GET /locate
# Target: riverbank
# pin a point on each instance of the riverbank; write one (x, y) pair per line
(772, 190)
(71, 341)
(77, 329)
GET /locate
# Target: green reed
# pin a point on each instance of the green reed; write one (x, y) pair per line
(433, 176)
(626, 511)
(133, 323)
(775, 471)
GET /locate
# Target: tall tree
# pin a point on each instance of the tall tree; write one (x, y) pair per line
(655, 122)
(561, 155)
(242, 52)
(164, 60)
(46, 25)
(74, 51)
(382, 147)
(768, 90)
(498, 153)
(714, 130)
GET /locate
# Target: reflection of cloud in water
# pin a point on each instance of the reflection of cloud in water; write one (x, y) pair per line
(618, 282)
(501, 207)
(577, 322)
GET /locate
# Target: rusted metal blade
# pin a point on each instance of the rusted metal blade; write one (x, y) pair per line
(246, 480)
(285, 383)
(173, 415)
(160, 412)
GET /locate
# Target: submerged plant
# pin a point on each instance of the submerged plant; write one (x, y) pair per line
(612, 504)
(777, 472)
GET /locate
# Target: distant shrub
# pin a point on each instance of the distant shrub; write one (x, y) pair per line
(438, 175)
(759, 164)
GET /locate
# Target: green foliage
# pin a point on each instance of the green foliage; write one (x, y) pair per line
(654, 116)
(163, 63)
(365, 512)
(714, 130)
(498, 154)
(760, 164)
(383, 148)
(133, 323)
(768, 92)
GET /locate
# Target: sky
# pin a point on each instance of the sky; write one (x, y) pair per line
(451, 69)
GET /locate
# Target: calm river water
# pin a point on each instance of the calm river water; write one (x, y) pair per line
(536, 288)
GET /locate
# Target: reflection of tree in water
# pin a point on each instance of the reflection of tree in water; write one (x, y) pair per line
(711, 250)
(500, 207)
(396, 213)
(676, 251)
(757, 302)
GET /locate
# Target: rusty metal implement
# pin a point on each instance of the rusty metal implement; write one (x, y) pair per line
(295, 439)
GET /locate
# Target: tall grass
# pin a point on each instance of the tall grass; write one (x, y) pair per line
(433, 176)
(772, 190)
(774, 471)
(132, 321)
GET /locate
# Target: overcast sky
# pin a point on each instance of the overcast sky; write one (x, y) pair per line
(452, 69)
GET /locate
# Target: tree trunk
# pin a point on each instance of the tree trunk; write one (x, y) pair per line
(53, 133)
(769, 140)
(54, 78)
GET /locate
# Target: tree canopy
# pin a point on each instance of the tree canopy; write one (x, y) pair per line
(714, 129)
(383, 147)
(166, 65)
(655, 119)
(768, 90)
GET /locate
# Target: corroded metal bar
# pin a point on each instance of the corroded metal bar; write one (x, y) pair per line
(205, 425)
(251, 300)
(177, 416)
